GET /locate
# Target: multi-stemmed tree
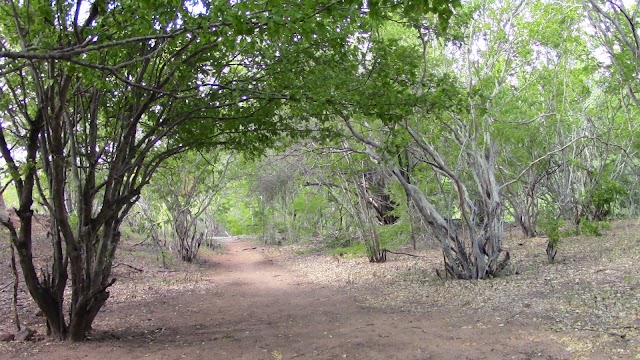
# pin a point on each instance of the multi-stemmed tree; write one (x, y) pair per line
(96, 95)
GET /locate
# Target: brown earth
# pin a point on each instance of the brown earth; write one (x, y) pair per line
(247, 306)
(257, 302)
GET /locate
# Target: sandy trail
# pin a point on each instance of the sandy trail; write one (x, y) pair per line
(261, 310)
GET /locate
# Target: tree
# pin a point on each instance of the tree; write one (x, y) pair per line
(476, 130)
(91, 111)
(617, 36)
(186, 186)
(407, 106)
(97, 96)
(616, 39)
(530, 76)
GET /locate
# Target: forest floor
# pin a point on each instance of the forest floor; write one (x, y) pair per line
(249, 301)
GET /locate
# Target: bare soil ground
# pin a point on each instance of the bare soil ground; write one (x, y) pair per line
(256, 302)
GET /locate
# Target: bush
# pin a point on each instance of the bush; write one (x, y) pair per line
(590, 227)
(607, 192)
(396, 235)
(357, 249)
(593, 227)
(340, 241)
(550, 224)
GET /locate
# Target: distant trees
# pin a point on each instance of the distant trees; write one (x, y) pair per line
(616, 40)
(506, 116)
(184, 189)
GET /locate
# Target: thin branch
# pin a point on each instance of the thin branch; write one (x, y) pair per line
(401, 253)
(6, 286)
(356, 133)
(129, 266)
(69, 53)
(630, 21)
(540, 159)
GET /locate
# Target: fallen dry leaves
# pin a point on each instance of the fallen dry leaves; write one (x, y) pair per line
(589, 299)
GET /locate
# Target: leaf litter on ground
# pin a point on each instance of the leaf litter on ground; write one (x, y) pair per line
(589, 299)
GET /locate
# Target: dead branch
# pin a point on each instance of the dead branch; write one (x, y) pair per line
(127, 265)
(401, 253)
(140, 243)
(531, 164)
(608, 330)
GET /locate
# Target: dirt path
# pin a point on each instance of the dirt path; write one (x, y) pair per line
(260, 310)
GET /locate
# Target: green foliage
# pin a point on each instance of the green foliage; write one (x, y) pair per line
(340, 241)
(390, 236)
(10, 196)
(164, 257)
(245, 77)
(238, 211)
(594, 228)
(242, 219)
(184, 193)
(357, 249)
(550, 223)
(396, 235)
(117, 88)
(606, 194)
(590, 227)
(605, 189)
(312, 213)
(569, 232)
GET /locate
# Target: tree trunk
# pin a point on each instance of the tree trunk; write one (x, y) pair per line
(84, 313)
(455, 254)
(14, 299)
(485, 226)
(374, 184)
(46, 300)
